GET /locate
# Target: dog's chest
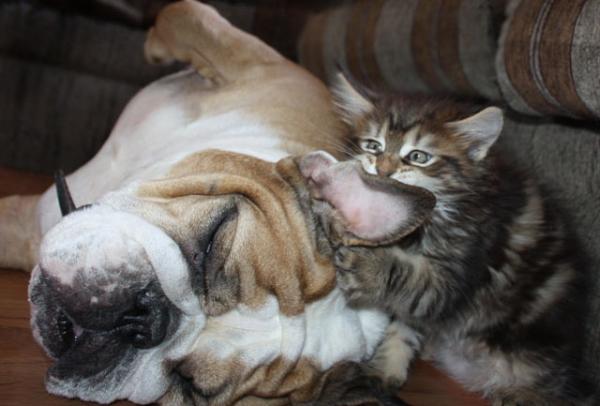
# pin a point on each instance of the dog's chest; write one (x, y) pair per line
(151, 148)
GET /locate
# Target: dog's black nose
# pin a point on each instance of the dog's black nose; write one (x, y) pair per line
(65, 332)
(145, 326)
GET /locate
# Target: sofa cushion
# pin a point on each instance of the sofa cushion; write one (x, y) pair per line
(548, 60)
(430, 46)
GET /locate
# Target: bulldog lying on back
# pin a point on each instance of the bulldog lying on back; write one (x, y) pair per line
(200, 269)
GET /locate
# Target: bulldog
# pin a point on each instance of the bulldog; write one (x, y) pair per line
(197, 269)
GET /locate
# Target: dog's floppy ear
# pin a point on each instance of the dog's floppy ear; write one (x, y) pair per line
(365, 209)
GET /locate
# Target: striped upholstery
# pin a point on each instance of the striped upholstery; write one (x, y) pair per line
(544, 63)
(430, 46)
(549, 57)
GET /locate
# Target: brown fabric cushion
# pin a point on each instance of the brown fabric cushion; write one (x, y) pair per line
(548, 58)
(430, 46)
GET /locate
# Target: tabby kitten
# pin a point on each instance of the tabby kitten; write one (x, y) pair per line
(488, 287)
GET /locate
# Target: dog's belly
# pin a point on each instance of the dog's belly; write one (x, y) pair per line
(167, 121)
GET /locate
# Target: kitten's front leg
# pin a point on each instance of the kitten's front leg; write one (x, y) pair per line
(361, 274)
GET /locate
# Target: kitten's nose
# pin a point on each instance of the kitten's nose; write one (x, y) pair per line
(386, 165)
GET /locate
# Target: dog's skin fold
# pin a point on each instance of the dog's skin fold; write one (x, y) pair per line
(201, 271)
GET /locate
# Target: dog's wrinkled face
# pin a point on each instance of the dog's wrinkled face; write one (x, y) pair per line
(127, 291)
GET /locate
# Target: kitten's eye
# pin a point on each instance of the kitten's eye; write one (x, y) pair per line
(419, 157)
(372, 146)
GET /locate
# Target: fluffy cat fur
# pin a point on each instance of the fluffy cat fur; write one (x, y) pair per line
(489, 287)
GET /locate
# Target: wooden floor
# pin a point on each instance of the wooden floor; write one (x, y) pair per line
(23, 363)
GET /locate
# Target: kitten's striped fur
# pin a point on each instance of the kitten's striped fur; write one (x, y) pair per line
(489, 287)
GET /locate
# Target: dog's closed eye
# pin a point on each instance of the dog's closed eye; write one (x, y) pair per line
(211, 251)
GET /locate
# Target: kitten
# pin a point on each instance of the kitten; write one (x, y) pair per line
(488, 287)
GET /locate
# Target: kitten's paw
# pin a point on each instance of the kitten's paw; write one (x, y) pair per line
(395, 373)
(393, 377)
(356, 274)
(347, 258)
(350, 286)
(357, 259)
(394, 355)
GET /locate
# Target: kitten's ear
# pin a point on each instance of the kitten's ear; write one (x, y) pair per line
(350, 102)
(364, 209)
(480, 131)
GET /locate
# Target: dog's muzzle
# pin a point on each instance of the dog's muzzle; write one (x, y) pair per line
(111, 296)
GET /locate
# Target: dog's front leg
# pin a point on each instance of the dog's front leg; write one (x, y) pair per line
(19, 232)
